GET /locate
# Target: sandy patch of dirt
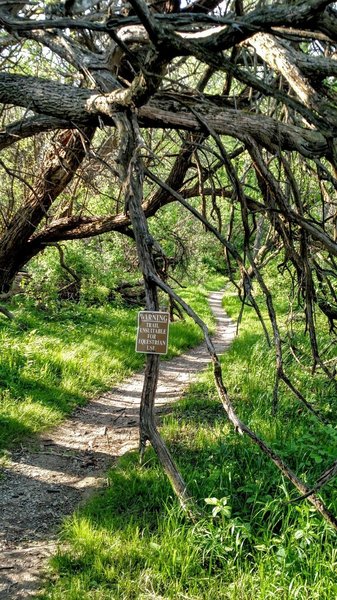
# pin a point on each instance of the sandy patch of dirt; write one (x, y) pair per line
(47, 478)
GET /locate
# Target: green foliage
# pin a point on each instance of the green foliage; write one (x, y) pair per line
(197, 253)
(247, 541)
(100, 264)
(103, 263)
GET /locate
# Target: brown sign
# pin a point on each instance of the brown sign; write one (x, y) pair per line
(152, 333)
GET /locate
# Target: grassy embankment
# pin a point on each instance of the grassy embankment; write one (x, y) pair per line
(55, 359)
(248, 542)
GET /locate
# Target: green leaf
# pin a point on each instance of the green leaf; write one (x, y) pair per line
(298, 534)
(213, 501)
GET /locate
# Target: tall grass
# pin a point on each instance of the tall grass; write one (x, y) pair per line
(248, 541)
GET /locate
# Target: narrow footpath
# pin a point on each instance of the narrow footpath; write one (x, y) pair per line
(46, 479)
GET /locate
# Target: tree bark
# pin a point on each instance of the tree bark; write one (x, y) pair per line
(60, 165)
(83, 106)
(133, 186)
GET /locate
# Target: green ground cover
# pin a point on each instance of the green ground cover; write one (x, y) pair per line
(57, 357)
(247, 542)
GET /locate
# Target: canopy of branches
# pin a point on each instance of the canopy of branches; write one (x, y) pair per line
(232, 103)
(236, 103)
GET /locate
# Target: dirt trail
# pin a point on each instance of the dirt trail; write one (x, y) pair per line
(49, 477)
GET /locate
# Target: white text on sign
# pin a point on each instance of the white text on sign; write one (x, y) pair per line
(152, 333)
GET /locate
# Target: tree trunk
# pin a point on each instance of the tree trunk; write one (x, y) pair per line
(133, 186)
(60, 165)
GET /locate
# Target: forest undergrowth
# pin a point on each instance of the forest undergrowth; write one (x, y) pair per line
(251, 538)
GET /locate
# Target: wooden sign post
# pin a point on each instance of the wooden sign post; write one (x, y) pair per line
(152, 333)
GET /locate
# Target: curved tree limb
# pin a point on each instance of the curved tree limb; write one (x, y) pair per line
(237, 423)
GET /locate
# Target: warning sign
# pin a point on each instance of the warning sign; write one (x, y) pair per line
(152, 333)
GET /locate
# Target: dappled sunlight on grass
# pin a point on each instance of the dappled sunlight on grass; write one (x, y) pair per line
(133, 538)
(247, 540)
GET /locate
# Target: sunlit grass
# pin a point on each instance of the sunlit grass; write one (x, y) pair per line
(247, 541)
(54, 359)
